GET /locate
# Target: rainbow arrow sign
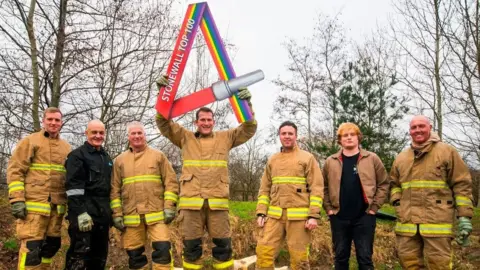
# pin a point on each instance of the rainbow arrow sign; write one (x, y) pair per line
(199, 14)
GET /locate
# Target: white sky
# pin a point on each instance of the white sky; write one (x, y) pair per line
(258, 28)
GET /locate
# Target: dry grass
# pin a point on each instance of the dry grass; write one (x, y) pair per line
(244, 236)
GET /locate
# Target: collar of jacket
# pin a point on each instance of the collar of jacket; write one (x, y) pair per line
(363, 153)
(92, 149)
(47, 135)
(198, 135)
(295, 149)
(143, 150)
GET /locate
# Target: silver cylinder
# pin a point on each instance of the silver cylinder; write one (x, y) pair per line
(226, 89)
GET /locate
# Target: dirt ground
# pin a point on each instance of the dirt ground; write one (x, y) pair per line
(244, 234)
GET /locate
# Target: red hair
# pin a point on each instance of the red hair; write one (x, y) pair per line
(346, 127)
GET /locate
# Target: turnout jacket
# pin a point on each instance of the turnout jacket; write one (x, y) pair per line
(428, 187)
(205, 162)
(89, 173)
(143, 184)
(373, 179)
(36, 173)
(292, 181)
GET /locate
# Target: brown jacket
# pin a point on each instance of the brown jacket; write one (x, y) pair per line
(205, 162)
(429, 188)
(143, 183)
(292, 181)
(36, 173)
(373, 178)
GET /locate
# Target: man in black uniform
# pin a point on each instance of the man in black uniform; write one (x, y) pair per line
(88, 191)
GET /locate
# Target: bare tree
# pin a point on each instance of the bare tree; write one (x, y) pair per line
(418, 34)
(310, 94)
(246, 166)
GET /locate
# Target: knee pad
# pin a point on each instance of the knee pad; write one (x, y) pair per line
(192, 250)
(50, 246)
(33, 257)
(136, 258)
(223, 249)
(161, 252)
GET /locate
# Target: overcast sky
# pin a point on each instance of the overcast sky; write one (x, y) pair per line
(258, 29)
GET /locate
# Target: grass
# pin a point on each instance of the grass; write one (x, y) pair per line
(243, 210)
(11, 244)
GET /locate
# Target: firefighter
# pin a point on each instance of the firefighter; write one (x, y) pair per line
(204, 183)
(89, 170)
(356, 186)
(36, 179)
(289, 202)
(430, 186)
(143, 199)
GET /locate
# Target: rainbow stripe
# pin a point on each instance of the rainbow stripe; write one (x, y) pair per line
(222, 61)
(199, 14)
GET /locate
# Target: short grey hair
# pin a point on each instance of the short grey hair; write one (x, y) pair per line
(135, 124)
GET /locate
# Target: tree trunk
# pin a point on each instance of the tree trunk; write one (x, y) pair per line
(57, 63)
(35, 73)
(438, 90)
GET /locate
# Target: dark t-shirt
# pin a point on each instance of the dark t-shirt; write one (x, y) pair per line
(352, 204)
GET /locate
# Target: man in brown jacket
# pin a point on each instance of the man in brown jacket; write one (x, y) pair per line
(36, 187)
(289, 202)
(430, 186)
(204, 183)
(143, 197)
(356, 186)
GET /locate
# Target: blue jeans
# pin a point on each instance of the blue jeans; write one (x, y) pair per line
(362, 231)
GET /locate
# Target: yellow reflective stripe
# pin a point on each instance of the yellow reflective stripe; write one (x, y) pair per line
(395, 190)
(425, 184)
(23, 258)
(205, 163)
(131, 220)
(47, 167)
(153, 217)
(436, 229)
(223, 265)
(38, 207)
(263, 199)
(15, 186)
(218, 203)
(61, 209)
(115, 203)
(405, 228)
(289, 180)
(191, 265)
(297, 212)
(463, 201)
(46, 260)
(142, 178)
(274, 211)
(168, 195)
(188, 202)
(316, 201)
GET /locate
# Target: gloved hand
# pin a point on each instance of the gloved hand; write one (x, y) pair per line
(162, 81)
(19, 210)
(85, 222)
(169, 215)
(464, 229)
(118, 223)
(243, 93)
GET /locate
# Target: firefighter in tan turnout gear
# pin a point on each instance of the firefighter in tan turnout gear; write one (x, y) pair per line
(289, 202)
(431, 185)
(204, 183)
(36, 187)
(143, 197)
